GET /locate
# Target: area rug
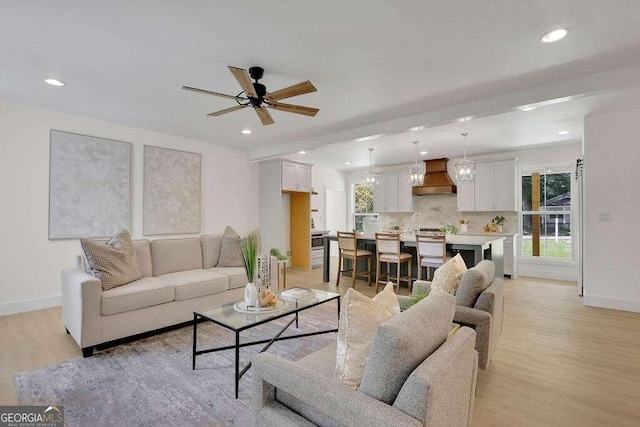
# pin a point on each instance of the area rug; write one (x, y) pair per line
(150, 381)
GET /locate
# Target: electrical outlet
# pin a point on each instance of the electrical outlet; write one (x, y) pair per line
(604, 216)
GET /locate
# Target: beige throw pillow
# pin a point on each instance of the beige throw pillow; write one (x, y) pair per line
(230, 251)
(449, 275)
(359, 320)
(115, 262)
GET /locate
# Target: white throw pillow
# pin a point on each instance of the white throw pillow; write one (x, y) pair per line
(449, 275)
(359, 320)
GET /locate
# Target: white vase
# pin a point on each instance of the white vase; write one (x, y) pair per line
(499, 228)
(251, 295)
(464, 228)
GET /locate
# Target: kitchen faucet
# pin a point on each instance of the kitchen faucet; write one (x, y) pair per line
(413, 220)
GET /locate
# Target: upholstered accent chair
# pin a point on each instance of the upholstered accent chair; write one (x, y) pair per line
(413, 377)
(479, 305)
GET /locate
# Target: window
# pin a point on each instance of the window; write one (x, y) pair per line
(363, 206)
(546, 212)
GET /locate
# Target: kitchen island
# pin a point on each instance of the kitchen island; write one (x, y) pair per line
(472, 248)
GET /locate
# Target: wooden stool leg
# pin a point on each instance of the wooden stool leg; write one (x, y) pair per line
(377, 274)
(419, 270)
(369, 271)
(339, 269)
(398, 275)
(353, 272)
(409, 271)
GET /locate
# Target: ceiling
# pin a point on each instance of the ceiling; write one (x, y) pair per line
(380, 67)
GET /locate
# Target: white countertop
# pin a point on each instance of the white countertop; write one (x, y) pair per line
(481, 233)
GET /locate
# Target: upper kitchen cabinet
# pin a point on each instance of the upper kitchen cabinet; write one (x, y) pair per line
(406, 201)
(296, 177)
(466, 197)
(495, 187)
(385, 196)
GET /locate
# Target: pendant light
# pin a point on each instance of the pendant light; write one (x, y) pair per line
(465, 170)
(416, 172)
(370, 178)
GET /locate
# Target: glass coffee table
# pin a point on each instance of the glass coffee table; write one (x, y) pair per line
(228, 317)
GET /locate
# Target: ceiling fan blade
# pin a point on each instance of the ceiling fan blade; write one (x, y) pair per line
(228, 110)
(264, 115)
(244, 79)
(208, 92)
(291, 91)
(298, 109)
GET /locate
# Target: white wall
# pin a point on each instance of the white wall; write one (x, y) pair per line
(612, 177)
(323, 178)
(30, 263)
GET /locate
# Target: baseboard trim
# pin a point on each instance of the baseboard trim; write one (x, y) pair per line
(30, 305)
(613, 303)
(553, 272)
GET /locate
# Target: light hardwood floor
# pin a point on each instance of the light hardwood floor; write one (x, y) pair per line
(558, 362)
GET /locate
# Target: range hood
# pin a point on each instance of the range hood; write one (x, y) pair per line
(436, 180)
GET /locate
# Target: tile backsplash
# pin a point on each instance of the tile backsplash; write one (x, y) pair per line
(438, 210)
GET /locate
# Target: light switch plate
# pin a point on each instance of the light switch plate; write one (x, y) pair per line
(604, 217)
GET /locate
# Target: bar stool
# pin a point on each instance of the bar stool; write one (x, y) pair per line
(348, 249)
(388, 251)
(432, 252)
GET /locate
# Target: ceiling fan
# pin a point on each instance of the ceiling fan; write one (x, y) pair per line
(255, 95)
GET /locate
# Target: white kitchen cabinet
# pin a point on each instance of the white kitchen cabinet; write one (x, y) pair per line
(296, 177)
(495, 186)
(466, 197)
(385, 196)
(510, 257)
(406, 200)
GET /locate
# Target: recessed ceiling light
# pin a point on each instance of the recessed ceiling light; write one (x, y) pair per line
(554, 36)
(563, 132)
(465, 119)
(53, 82)
(246, 131)
(302, 152)
(369, 138)
(528, 107)
(423, 152)
(416, 128)
(347, 163)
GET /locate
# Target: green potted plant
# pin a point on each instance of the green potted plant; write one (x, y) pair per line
(249, 246)
(449, 229)
(499, 222)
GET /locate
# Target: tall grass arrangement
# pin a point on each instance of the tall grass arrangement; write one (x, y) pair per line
(249, 246)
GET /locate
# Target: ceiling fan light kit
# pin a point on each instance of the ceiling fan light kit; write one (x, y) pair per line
(255, 95)
(465, 170)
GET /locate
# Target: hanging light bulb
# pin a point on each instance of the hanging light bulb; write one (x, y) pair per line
(465, 170)
(370, 179)
(416, 172)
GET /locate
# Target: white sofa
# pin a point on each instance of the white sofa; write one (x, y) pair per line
(179, 276)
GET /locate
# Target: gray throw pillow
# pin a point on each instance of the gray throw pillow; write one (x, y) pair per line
(230, 251)
(115, 262)
(404, 342)
(474, 282)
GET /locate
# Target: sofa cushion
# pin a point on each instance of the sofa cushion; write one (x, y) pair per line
(143, 253)
(142, 293)
(196, 283)
(237, 275)
(114, 262)
(230, 251)
(404, 342)
(474, 282)
(359, 319)
(449, 275)
(171, 255)
(211, 245)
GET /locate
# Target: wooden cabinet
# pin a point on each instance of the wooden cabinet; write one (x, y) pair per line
(495, 187)
(406, 200)
(466, 197)
(296, 177)
(385, 196)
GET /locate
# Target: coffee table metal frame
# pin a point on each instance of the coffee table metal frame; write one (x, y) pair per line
(199, 316)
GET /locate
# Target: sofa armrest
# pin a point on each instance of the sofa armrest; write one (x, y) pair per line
(81, 310)
(482, 322)
(326, 395)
